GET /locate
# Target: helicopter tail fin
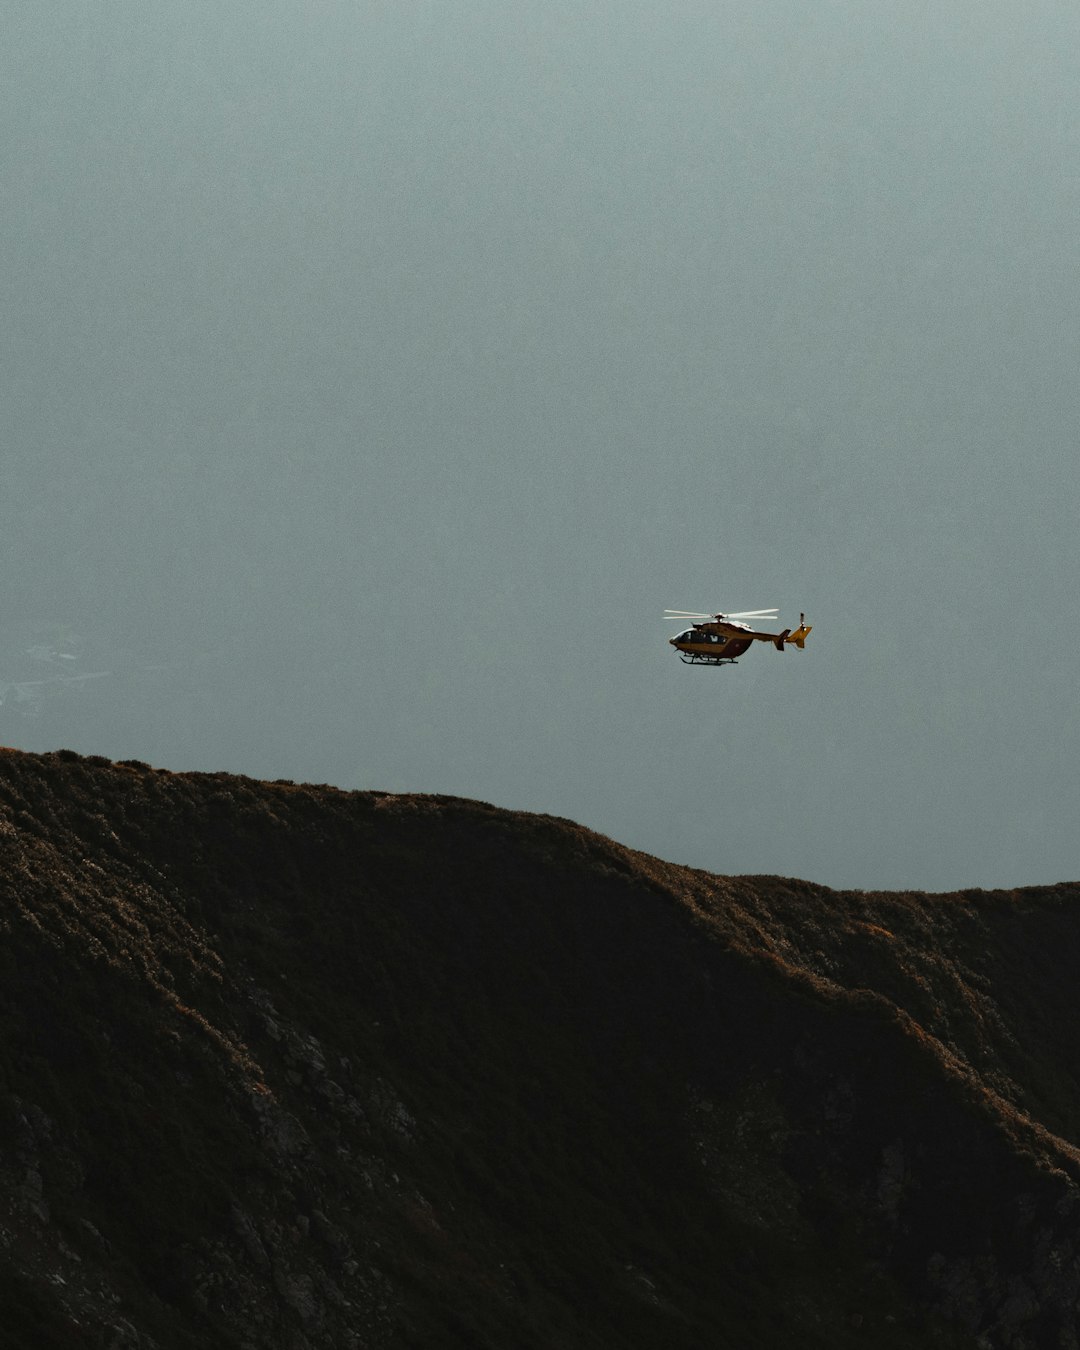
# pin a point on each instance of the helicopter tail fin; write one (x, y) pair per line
(800, 635)
(781, 638)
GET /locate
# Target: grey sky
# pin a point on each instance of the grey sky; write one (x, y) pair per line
(384, 369)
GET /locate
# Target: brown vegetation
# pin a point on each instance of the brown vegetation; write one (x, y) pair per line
(284, 1066)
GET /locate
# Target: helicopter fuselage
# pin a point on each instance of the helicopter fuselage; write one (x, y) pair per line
(704, 645)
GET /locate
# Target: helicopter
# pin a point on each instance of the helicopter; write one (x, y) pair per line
(720, 639)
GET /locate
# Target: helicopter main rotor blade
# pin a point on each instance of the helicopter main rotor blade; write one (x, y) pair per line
(679, 615)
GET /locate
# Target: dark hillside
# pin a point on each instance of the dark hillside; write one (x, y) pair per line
(283, 1067)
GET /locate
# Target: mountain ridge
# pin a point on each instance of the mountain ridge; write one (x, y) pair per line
(289, 1066)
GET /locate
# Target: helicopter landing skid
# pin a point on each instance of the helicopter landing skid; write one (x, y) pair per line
(698, 659)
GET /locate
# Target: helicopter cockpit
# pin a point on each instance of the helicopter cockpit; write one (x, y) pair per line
(696, 635)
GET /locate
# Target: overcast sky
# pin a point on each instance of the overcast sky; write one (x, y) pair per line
(379, 370)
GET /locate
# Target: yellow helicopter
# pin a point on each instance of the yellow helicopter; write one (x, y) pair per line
(720, 639)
